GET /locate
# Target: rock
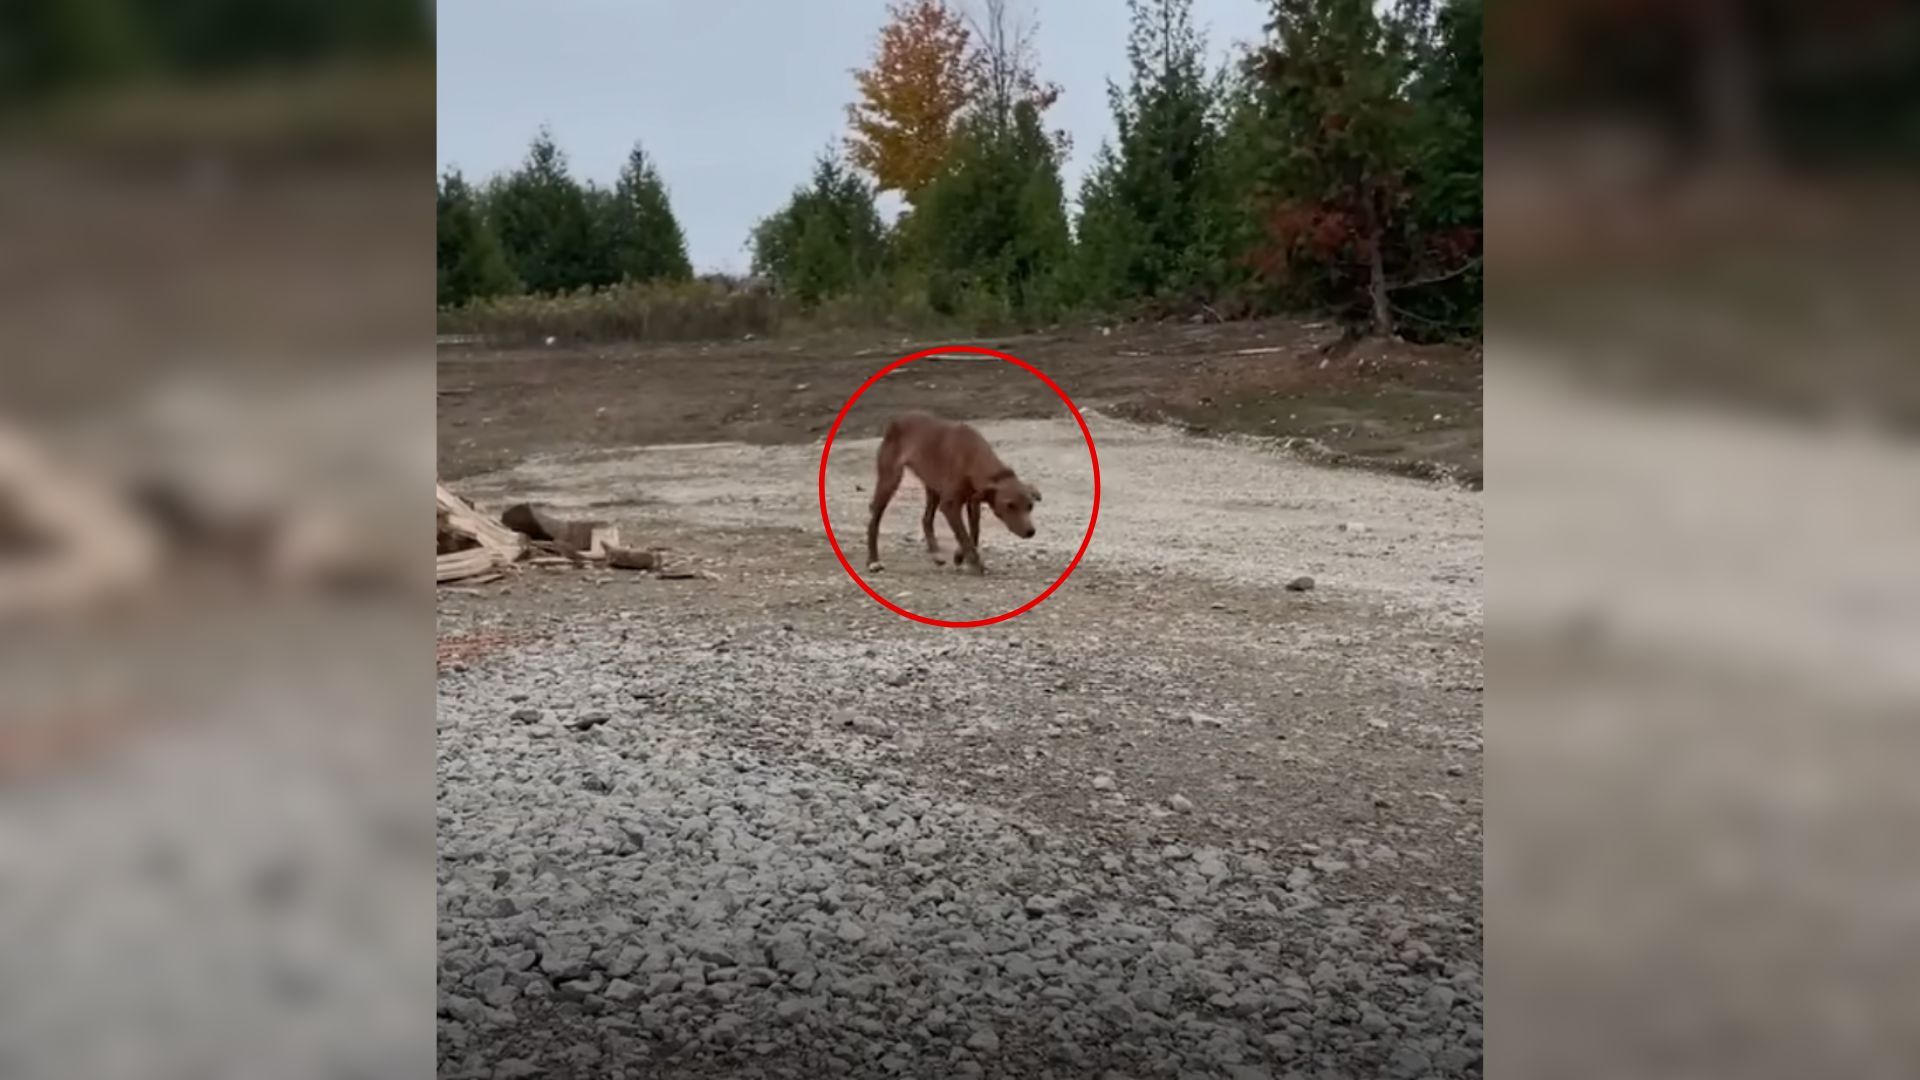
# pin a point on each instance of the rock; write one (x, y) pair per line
(793, 1010)
(1038, 906)
(1181, 804)
(524, 716)
(1282, 1045)
(1408, 1063)
(626, 962)
(1303, 583)
(1158, 1002)
(1194, 931)
(589, 721)
(515, 1069)
(1354, 527)
(984, 1041)
(1102, 782)
(621, 990)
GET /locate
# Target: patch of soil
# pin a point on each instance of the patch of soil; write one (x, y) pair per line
(1389, 405)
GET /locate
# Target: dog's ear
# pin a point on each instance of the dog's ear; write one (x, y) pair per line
(1034, 492)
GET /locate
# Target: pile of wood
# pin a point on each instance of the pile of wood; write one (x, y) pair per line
(474, 548)
(67, 542)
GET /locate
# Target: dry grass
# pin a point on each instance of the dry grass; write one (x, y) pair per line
(653, 312)
(702, 311)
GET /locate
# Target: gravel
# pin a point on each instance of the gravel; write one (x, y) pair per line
(1175, 822)
(655, 896)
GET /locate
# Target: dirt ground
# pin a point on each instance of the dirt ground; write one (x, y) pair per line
(713, 453)
(1173, 696)
(1396, 407)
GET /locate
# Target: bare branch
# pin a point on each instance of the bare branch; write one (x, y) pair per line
(1448, 276)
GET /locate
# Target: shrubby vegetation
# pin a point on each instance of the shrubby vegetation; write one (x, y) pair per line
(1335, 166)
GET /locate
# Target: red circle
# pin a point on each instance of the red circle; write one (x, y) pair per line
(827, 520)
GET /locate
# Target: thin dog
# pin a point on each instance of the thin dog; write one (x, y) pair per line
(960, 472)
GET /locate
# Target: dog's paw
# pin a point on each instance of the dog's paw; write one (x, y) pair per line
(875, 567)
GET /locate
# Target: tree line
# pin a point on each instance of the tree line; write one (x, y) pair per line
(1335, 165)
(538, 230)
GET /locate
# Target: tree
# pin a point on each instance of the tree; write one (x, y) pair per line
(923, 77)
(827, 240)
(546, 223)
(643, 239)
(1335, 73)
(1446, 208)
(992, 230)
(1009, 67)
(469, 263)
(1146, 223)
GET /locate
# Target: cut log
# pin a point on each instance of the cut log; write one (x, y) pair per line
(468, 543)
(463, 520)
(620, 558)
(459, 565)
(537, 524)
(458, 517)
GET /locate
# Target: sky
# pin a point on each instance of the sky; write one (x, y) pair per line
(733, 99)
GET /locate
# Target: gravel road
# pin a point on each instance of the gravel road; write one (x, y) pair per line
(1176, 821)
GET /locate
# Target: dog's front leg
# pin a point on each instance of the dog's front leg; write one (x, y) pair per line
(966, 554)
(973, 536)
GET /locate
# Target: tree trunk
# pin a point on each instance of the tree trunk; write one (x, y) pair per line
(1377, 284)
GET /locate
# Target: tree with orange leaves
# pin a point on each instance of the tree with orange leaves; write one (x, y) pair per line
(924, 76)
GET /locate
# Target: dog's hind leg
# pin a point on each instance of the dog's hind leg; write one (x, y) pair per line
(886, 482)
(926, 527)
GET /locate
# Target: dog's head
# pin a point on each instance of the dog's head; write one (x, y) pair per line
(1013, 500)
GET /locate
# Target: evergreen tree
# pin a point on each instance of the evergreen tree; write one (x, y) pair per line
(1447, 204)
(992, 230)
(469, 263)
(1146, 223)
(546, 223)
(1342, 145)
(643, 239)
(827, 240)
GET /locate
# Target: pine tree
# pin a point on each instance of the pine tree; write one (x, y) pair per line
(1342, 143)
(643, 238)
(546, 223)
(1146, 222)
(469, 263)
(827, 240)
(993, 230)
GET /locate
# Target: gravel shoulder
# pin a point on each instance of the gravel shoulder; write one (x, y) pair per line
(1175, 821)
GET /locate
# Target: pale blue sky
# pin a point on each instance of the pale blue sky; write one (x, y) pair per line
(732, 98)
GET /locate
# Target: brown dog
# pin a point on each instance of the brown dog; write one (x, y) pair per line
(960, 471)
